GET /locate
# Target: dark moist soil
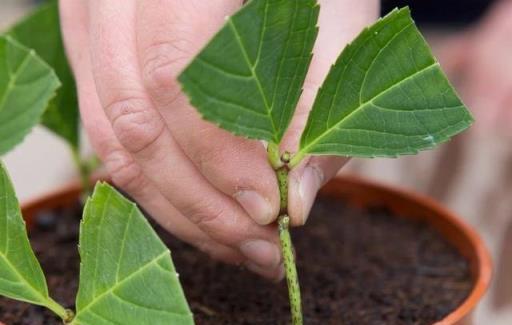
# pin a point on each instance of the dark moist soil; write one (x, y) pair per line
(356, 267)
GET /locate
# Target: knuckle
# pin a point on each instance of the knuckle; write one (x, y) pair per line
(204, 213)
(162, 62)
(135, 125)
(208, 247)
(124, 172)
(214, 149)
(219, 253)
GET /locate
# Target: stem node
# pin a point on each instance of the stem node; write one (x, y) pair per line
(282, 167)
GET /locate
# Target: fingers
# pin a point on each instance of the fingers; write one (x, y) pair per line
(170, 33)
(336, 29)
(142, 132)
(477, 61)
(121, 166)
(235, 166)
(452, 53)
(304, 183)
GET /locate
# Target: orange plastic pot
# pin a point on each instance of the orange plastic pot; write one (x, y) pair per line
(362, 193)
(409, 205)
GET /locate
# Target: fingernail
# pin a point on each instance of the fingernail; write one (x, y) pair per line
(309, 185)
(281, 273)
(256, 206)
(263, 253)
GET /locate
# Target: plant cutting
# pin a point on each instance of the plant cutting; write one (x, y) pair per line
(385, 95)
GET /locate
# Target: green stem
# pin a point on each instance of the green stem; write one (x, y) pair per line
(282, 180)
(66, 315)
(292, 278)
(286, 244)
(296, 159)
(84, 172)
(273, 155)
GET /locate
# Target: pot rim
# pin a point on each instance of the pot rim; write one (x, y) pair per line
(479, 257)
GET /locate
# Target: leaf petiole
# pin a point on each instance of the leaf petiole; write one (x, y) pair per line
(296, 159)
(65, 314)
(273, 155)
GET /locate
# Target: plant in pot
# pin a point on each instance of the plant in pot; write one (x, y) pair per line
(384, 96)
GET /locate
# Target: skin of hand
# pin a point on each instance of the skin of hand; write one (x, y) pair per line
(479, 61)
(204, 185)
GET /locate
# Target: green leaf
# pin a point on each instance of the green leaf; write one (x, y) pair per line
(126, 275)
(248, 79)
(27, 84)
(21, 276)
(385, 96)
(41, 31)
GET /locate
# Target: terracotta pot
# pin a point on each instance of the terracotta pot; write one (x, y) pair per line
(363, 193)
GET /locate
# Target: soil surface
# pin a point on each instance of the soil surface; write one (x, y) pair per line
(356, 268)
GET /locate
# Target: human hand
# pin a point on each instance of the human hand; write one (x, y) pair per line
(206, 186)
(479, 61)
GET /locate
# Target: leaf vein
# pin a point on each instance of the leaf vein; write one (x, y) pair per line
(130, 302)
(123, 241)
(14, 76)
(212, 97)
(99, 297)
(336, 125)
(222, 70)
(252, 68)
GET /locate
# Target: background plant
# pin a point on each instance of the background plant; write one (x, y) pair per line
(27, 85)
(126, 272)
(40, 32)
(386, 95)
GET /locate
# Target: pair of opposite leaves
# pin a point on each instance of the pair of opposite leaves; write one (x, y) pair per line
(385, 95)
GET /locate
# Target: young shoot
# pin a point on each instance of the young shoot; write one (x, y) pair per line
(385, 95)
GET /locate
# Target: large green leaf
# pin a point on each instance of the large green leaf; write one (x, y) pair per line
(385, 96)
(27, 84)
(248, 79)
(41, 31)
(126, 275)
(21, 276)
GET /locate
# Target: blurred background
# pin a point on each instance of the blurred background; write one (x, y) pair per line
(41, 148)
(472, 174)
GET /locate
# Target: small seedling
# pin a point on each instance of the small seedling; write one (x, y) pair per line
(27, 84)
(40, 31)
(385, 95)
(126, 272)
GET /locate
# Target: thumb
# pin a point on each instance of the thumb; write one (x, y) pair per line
(305, 181)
